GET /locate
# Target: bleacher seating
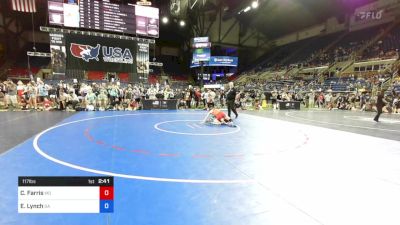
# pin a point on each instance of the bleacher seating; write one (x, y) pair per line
(18, 72)
(95, 75)
(153, 79)
(336, 84)
(385, 48)
(301, 52)
(20, 68)
(396, 88)
(179, 78)
(280, 53)
(317, 44)
(349, 44)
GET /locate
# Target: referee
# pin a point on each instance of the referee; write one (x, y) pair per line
(230, 100)
(380, 103)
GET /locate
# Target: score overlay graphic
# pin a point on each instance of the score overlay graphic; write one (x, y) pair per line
(65, 194)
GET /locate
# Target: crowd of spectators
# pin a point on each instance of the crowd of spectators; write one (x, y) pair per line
(74, 96)
(340, 53)
(351, 92)
(358, 93)
(385, 48)
(348, 48)
(80, 96)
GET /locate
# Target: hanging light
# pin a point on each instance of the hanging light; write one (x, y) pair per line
(165, 20)
(254, 4)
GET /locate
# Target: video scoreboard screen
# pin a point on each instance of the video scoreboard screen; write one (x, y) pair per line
(103, 15)
(202, 49)
(107, 15)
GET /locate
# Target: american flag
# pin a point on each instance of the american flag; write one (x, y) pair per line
(24, 5)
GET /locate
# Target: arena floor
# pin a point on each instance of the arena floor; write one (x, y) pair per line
(275, 168)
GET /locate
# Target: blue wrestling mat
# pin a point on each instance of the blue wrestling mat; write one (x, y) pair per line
(168, 167)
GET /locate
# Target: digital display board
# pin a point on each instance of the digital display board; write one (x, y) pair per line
(223, 61)
(147, 21)
(104, 15)
(202, 45)
(218, 61)
(201, 39)
(107, 15)
(201, 54)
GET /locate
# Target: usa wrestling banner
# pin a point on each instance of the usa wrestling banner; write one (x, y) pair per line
(100, 53)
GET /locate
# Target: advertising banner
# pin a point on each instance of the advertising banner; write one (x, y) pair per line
(369, 15)
(58, 53)
(223, 61)
(373, 14)
(218, 61)
(100, 53)
(142, 59)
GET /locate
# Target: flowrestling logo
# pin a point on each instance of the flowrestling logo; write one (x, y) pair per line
(370, 15)
(109, 54)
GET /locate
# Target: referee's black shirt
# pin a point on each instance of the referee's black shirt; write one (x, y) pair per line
(231, 95)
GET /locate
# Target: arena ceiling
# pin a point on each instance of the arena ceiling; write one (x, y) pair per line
(276, 18)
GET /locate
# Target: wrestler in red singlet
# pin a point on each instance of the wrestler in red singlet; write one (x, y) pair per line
(219, 115)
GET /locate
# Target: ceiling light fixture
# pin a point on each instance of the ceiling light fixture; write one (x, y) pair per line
(254, 4)
(165, 20)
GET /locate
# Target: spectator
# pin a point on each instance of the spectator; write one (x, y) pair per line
(32, 95)
(72, 100)
(197, 96)
(210, 99)
(11, 95)
(328, 100)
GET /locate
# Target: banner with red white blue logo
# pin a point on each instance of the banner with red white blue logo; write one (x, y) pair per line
(100, 53)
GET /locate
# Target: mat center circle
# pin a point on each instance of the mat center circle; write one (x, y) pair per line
(194, 127)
